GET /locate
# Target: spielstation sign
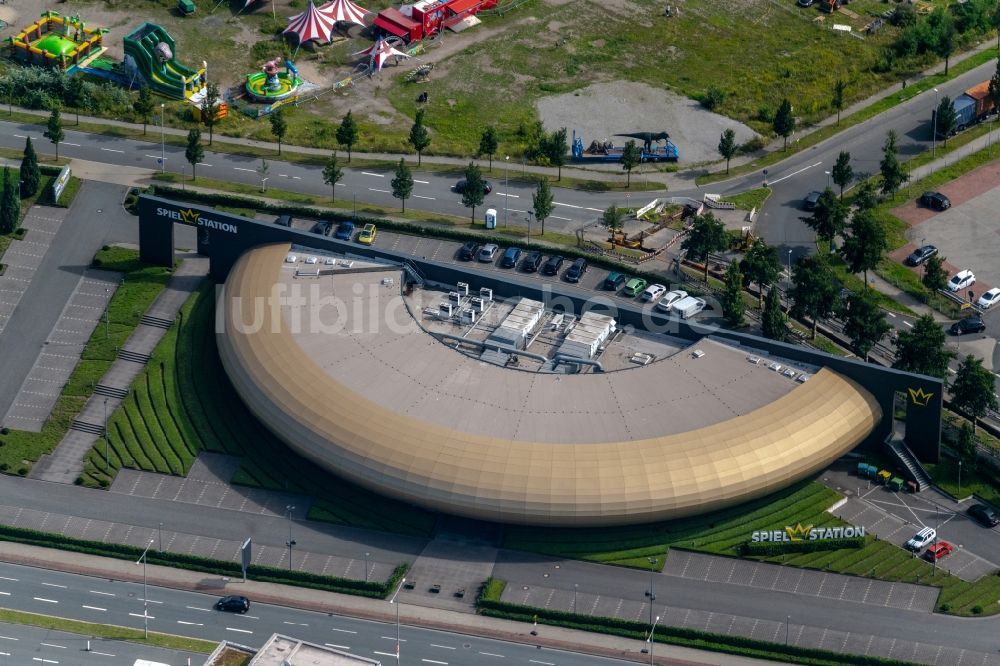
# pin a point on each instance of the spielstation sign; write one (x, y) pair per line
(800, 532)
(195, 218)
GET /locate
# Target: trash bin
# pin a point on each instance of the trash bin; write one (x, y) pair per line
(896, 484)
(912, 486)
(883, 476)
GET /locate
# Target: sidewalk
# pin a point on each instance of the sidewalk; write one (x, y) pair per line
(371, 609)
(65, 463)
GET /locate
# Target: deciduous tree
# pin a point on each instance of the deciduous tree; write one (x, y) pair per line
(945, 119)
(842, 173)
(541, 202)
(279, 126)
(838, 97)
(612, 219)
(935, 276)
(707, 235)
(473, 195)
(922, 349)
(488, 143)
(631, 157)
(828, 218)
(972, 389)
(727, 146)
(143, 105)
(54, 131)
(784, 121)
(773, 320)
(864, 323)
(10, 203)
(347, 134)
(814, 293)
(419, 137)
(761, 265)
(332, 173)
(894, 173)
(402, 183)
(733, 306)
(865, 243)
(208, 109)
(194, 152)
(556, 149)
(31, 175)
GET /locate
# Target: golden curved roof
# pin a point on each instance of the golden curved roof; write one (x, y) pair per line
(467, 472)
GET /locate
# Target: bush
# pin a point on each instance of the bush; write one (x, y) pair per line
(713, 98)
(766, 549)
(21, 471)
(977, 610)
(4, 431)
(4, 467)
(752, 145)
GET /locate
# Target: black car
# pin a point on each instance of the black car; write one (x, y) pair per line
(510, 257)
(935, 200)
(532, 262)
(973, 324)
(553, 265)
(284, 221)
(321, 228)
(233, 604)
(615, 281)
(469, 251)
(920, 255)
(460, 186)
(986, 516)
(809, 203)
(576, 271)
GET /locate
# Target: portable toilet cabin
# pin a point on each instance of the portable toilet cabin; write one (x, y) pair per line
(491, 218)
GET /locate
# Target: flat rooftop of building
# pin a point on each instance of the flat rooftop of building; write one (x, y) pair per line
(360, 330)
(280, 650)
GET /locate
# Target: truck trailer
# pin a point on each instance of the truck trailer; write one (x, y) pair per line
(971, 107)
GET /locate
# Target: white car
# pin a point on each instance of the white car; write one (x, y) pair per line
(671, 297)
(961, 280)
(987, 300)
(311, 260)
(653, 292)
(291, 259)
(925, 536)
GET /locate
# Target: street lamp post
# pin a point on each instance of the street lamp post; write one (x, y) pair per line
(506, 165)
(107, 456)
(960, 480)
(934, 131)
(652, 594)
(145, 598)
(531, 213)
(788, 618)
(393, 601)
(107, 302)
(354, 195)
(652, 638)
(367, 555)
(828, 186)
(159, 533)
(291, 542)
(163, 145)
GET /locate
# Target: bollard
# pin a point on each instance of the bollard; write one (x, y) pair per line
(88, 646)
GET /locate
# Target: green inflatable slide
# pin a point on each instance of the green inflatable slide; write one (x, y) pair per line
(149, 51)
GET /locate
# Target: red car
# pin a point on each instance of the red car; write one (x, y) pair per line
(938, 550)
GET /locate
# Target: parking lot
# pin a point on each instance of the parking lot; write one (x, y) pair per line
(23, 257)
(895, 517)
(62, 349)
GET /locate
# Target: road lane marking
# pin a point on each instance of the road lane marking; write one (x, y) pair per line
(8, 638)
(596, 210)
(393, 638)
(377, 175)
(249, 617)
(490, 654)
(385, 654)
(891, 314)
(297, 624)
(5, 578)
(778, 180)
(112, 150)
(48, 601)
(567, 205)
(193, 624)
(149, 601)
(556, 217)
(372, 189)
(45, 661)
(242, 169)
(422, 182)
(103, 654)
(239, 631)
(148, 617)
(203, 164)
(443, 647)
(428, 661)
(106, 594)
(509, 196)
(544, 663)
(61, 647)
(338, 647)
(54, 585)
(96, 608)
(156, 157)
(422, 197)
(203, 610)
(20, 136)
(908, 323)
(296, 177)
(346, 631)
(67, 143)
(4, 594)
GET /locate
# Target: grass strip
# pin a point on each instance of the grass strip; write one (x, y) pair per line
(109, 631)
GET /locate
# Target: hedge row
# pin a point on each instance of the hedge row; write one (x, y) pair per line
(488, 603)
(410, 228)
(768, 548)
(206, 565)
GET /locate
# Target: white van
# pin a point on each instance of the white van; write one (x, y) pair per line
(688, 307)
(921, 539)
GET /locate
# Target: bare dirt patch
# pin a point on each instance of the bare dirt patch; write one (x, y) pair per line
(601, 110)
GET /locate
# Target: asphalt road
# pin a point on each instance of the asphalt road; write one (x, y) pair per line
(191, 614)
(23, 644)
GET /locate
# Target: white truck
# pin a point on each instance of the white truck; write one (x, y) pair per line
(688, 307)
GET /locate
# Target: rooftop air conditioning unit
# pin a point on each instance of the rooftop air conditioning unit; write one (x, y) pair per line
(445, 310)
(469, 316)
(486, 294)
(454, 297)
(463, 288)
(478, 304)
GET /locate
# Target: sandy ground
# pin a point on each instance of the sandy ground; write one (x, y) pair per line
(601, 110)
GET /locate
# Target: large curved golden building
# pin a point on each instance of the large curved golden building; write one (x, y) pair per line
(373, 398)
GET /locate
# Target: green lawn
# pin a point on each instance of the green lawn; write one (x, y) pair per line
(183, 404)
(143, 283)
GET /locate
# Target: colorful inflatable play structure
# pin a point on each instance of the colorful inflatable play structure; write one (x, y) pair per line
(271, 85)
(149, 54)
(60, 42)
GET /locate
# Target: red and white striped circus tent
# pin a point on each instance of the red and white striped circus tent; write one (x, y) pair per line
(345, 11)
(311, 24)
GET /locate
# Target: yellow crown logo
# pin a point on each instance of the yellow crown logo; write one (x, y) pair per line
(799, 532)
(920, 397)
(189, 216)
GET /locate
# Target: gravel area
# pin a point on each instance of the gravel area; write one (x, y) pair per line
(602, 110)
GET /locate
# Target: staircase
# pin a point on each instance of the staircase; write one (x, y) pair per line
(90, 428)
(110, 391)
(901, 454)
(134, 357)
(712, 201)
(158, 322)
